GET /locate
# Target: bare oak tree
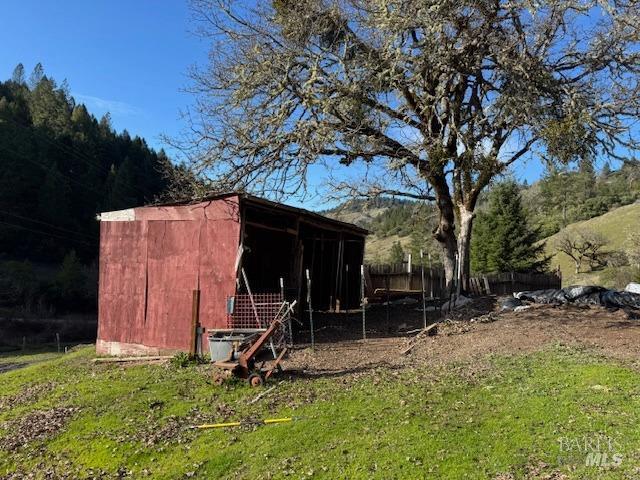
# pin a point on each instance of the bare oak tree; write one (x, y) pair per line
(583, 246)
(433, 99)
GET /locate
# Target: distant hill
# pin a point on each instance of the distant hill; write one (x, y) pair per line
(390, 220)
(558, 199)
(615, 226)
(365, 214)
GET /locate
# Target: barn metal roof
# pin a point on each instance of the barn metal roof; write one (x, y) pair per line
(249, 199)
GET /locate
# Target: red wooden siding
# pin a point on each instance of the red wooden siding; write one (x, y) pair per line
(172, 269)
(149, 268)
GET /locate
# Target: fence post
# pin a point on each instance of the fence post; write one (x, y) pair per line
(430, 278)
(486, 285)
(457, 271)
(424, 300)
(313, 343)
(363, 302)
(346, 295)
(386, 284)
(195, 320)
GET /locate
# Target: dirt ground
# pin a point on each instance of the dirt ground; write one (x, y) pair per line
(473, 331)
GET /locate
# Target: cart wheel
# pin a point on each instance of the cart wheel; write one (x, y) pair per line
(255, 380)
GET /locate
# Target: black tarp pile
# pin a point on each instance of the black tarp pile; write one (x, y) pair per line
(577, 295)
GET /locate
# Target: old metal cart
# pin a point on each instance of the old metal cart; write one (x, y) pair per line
(234, 351)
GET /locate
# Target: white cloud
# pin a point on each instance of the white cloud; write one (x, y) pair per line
(103, 105)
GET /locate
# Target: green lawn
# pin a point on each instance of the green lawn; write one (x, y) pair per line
(28, 356)
(508, 421)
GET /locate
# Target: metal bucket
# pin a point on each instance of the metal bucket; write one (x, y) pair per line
(224, 345)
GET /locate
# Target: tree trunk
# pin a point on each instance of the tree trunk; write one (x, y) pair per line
(449, 261)
(445, 231)
(464, 246)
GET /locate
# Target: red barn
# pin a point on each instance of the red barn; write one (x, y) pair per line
(153, 258)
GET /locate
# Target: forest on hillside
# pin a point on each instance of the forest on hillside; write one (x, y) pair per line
(59, 167)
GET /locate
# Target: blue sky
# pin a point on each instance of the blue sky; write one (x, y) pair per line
(128, 58)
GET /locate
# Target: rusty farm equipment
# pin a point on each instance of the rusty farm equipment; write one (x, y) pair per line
(238, 350)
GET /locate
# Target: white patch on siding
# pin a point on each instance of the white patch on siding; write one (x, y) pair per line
(128, 215)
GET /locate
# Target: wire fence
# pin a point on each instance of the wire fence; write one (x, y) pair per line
(259, 310)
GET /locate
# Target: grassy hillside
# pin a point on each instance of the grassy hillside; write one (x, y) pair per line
(614, 226)
(390, 220)
(358, 215)
(378, 248)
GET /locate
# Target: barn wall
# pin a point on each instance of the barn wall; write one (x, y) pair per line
(149, 268)
(122, 281)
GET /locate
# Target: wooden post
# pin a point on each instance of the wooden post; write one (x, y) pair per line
(487, 288)
(346, 293)
(386, 285)
(313, 343)
(458, 271)
(430, 278)
(195, 320)
(424, 300)
(253, 304)
(363, 302)
(58, 341)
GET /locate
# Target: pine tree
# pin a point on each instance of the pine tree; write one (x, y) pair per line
(18, 75)
(396, 256)
(503, 241)
(105, 124)
(50, 108)
(36, 76)
(71, 280)
(123, 193)
(53, 198)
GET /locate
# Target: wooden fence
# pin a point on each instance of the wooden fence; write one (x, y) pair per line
(394, 280)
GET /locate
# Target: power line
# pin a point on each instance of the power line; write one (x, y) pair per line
(69, 150)
(40, 232)
(46, 167)
(64, 148)
(90, 237)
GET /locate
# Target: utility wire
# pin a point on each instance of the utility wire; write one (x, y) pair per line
(46, 167)
(90, 237)
(69, 150)
(40, 232)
